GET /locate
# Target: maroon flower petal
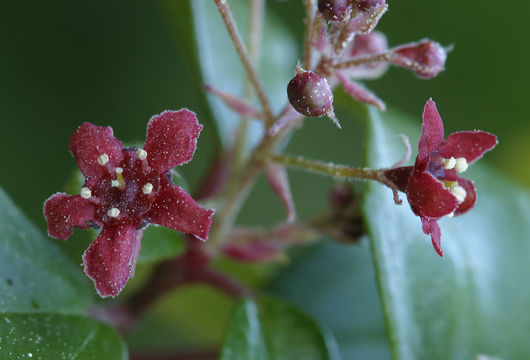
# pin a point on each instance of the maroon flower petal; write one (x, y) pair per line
(64, 212)
(359, 92)
(470, 145)
(399, 176)
(89, 142)
(175, 209)
(109, 259)
(171, 139)
(428, 197)
(432, 131)
(471, 196)
(430, 227)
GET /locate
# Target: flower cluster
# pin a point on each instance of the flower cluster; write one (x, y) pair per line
(433, 185)
(125, 190)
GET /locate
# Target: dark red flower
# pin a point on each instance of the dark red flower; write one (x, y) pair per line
(125, 190)
(433, 187)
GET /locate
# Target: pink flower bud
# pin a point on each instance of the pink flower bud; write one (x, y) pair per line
(425, 58)
(335, 10)
(366, 15)
(365, 45)
(310, 94)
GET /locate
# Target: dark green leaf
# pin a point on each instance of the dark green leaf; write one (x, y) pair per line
(43, 336)
(222, 69)
(475, 299)
(275, 331)
(34, 273)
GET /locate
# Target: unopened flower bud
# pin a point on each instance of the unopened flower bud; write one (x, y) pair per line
(366, 15)
(364, 5)
(310, 94)
(335, 10)
(425, 58)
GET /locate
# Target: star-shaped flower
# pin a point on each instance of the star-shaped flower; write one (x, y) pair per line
(433, 187)
(125, 190)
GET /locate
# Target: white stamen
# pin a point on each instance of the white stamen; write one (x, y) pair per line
(461, 165)
(459, 192)
(141, 153)
(449, 163)
(119, 170)
(86, 193)
(115, 183)
(451, 215)
(103, 159)
(147, 188)
(113, 212)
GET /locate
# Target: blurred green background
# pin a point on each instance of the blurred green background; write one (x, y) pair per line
(117, 63)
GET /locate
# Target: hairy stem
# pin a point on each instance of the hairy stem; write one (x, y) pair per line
(331, 169)
(310, 9)
(241, 50)
(361, 61)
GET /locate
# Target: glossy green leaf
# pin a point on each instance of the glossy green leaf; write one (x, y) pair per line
(274, 330)
(335, 284)
(222, 69)
(44, 336)
(475, 299)
(43, 298)
(34, 273)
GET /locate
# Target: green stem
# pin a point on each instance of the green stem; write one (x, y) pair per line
(331, 169)
(241, 50)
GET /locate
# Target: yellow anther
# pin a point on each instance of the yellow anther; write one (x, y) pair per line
(103, 159)
(86, 193)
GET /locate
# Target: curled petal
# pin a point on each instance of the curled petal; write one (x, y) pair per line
(175, 209)
(277, 177)
(470, 145)
(359, 92)
(428, 197)
(432, 131)
(64, 212)
(431, 227)
(110, 259)
(89, 142)
(171, 139)
(471, 196)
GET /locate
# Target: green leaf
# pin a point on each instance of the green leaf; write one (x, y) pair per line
(43, 297)
(159, 243)
(475, 299)
(34, 273)
(274, 330)
(58, 336)
(222, 69)
(334, 283)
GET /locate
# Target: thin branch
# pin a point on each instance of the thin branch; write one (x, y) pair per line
(310, 9)
(241, 50)
(361, 61)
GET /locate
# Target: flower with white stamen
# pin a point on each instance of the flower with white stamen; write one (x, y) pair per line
(103, 159)
(461, 165)
(147, 188)
(449, 163)
(141, 153)
(86, 193)
(113, 212)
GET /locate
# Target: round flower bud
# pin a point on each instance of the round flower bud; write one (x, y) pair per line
(364, 5)
(334, 10)
(310, 94)
(425, 58)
